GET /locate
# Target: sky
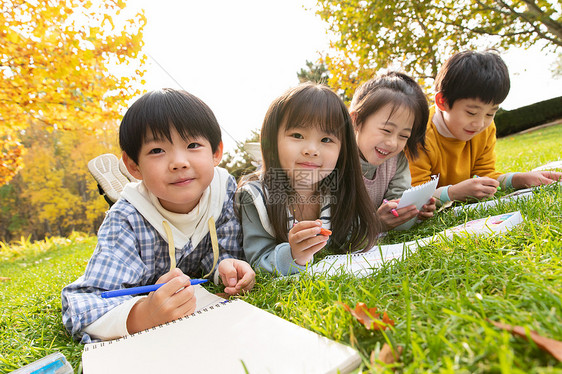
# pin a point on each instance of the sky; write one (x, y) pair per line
(238, 56)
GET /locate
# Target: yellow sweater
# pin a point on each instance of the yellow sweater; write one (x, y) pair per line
(455, 160)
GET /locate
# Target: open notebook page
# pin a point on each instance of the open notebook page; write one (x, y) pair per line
(418, 195)
(226, 337)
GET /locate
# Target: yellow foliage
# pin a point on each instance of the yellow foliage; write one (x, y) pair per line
(55, 193)
(11, 152)
(346, 73)
(57, 60)
(416, 37)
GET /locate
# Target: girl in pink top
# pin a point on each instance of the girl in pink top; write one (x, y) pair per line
(389, 116)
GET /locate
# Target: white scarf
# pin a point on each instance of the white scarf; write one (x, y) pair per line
(440, 124)
(185, 227)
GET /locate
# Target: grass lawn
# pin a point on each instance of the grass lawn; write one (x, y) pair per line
(441, 297)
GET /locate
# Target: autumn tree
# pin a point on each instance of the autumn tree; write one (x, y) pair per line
(13, 218)
(55, 194)
(57, 60)
(417, 36)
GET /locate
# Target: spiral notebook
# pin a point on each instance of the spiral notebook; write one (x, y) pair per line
(224, 337)
(418, 195)
(362, 264)
(365, 263)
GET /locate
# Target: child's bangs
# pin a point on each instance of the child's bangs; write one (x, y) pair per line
(399, 101)
(319, 110)
(383, 97)
(189, 116)
(377, 100)
(187, 128)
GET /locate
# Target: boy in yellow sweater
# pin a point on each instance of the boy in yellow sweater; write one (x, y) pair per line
(461, 135)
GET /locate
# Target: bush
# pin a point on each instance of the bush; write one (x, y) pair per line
(512, 121)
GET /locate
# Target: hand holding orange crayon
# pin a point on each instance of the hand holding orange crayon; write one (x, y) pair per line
(323, 231)
(305, 239)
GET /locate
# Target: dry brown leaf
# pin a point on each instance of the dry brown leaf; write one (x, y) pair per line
(386, 355)
(445, 206)
(554, 347)
(4, 279)
(369, 317)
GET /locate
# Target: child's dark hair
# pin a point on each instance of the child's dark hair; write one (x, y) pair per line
(160, 110)
(354, 224)
(398, 90)
(471, 75)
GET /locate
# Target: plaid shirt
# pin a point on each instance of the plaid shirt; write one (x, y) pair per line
(131, 253)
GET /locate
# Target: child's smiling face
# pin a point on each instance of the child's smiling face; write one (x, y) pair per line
(467, 117)
(384, 133)
(307, 154)
(176, 172)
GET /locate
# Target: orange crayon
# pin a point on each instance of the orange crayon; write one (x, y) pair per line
(324, 231)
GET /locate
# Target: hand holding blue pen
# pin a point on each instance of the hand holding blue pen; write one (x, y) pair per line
(142, 289)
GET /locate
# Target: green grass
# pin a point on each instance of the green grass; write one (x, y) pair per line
(527, 151)
(30, 302)
(440, 297)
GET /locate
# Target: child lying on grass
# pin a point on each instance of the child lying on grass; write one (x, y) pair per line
(171, 141)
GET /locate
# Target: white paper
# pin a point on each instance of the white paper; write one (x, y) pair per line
(418, 195)
(228, 337)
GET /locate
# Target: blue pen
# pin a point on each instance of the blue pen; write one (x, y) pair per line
(142, 289)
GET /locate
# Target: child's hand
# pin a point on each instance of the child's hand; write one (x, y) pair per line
(427, 210)
(535, 178)
(389, 219)
(173, 300)
(236, 275)
(477, 188)
(305, 240)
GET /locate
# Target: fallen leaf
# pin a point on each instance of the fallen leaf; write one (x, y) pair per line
(445, 206)
(554, 347)
(386, 356)
(369, 317)
(4, 279)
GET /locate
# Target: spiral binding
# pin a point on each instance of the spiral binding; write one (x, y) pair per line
(194, 314)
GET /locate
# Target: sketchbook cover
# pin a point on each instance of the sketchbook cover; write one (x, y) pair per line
(487, 226)
(227, 337)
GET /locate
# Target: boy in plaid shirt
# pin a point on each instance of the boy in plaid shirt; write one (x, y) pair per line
(171, 141)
